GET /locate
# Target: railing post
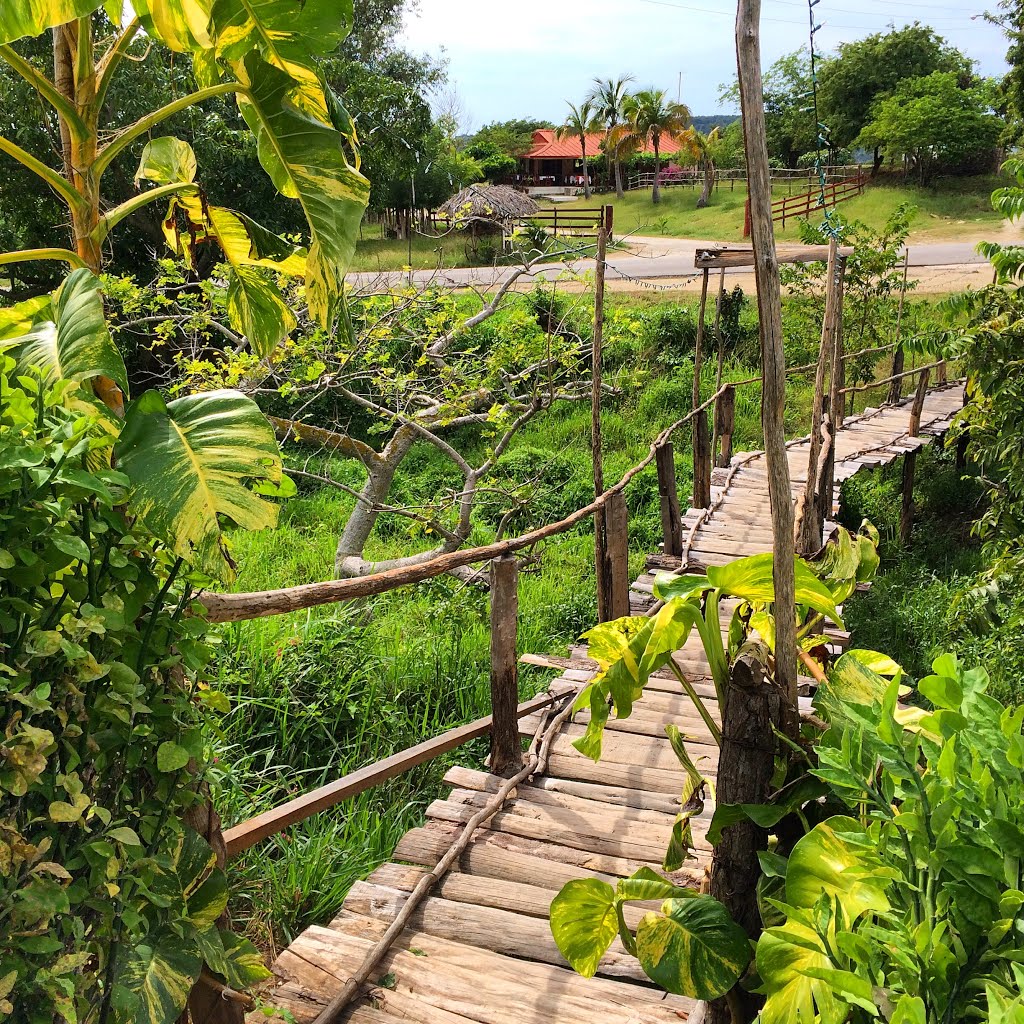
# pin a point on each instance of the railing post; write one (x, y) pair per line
(668, 493)
(506, 750)
(609, 220)
(725, 421)
(914, 427)
(613, 603)
(746, 217)
(701, 461)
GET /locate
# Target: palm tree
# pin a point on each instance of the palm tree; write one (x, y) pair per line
(701, 147)
(582, 120)
(650, 115)
(607, 98)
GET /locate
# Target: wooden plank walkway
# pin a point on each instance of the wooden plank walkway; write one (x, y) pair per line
(479, 948)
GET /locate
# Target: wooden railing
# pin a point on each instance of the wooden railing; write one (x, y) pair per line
(692, 177)
(805, 203)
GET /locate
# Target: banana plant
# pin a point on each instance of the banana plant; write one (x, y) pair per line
(265, 55)
(191, 461)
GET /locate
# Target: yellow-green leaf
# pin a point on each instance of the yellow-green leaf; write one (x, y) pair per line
(584, 923)
(21, 18)
(192, 461)
(165, 161)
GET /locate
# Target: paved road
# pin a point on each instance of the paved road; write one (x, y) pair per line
(656, 258)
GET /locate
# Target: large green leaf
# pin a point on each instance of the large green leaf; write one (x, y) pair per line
(693, 948)
(584, 923)
(20, 18)
(75, 344)
(234, 958)
(837, 858)
(166, 161)
(156, 977)
(305, 155)
(193, 460)
(257, 310)
(784, 956)
(182, 25)
(751, 580)
(19, 319)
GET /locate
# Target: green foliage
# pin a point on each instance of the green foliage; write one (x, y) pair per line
(113, 899)
(915, 903)
(936, 122)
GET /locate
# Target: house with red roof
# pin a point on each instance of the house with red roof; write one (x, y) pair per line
(557, 163)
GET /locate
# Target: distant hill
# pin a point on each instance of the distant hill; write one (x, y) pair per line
(705, 122)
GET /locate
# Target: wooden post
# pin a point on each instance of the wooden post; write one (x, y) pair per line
(836, 396)
(600, 537)
(668, 493)
(725, 420)
(720, 340)
(701, 461)
(746, 213)
(616, 573)
(898, 359)
(506, 750)
(907, 506)
(698, 357)
(745, 767)
(609, 220)
(773, 359)
(917, 407)
(809, 526)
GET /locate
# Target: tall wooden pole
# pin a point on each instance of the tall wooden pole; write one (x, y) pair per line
(701, 473)
(898, 358)
(720, 341)
(808, 527)
(506, 750)
(773, 361)
(600, 536)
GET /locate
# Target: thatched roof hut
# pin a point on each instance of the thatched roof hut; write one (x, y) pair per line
(497, 206)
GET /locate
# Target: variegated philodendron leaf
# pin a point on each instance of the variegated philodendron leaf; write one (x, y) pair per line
(693, 947)
(193, 460)
(154, 978)
(165, 161)
(73, 342)
(21, 18)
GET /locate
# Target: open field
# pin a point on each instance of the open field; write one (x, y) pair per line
(955, 209)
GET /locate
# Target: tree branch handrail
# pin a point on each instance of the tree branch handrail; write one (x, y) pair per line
(889, 380)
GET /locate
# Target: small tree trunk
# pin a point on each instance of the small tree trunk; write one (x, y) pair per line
(586, 174)
(745, 767)
(656, 191)
(773, 362)
(619, 194)
(709, 183)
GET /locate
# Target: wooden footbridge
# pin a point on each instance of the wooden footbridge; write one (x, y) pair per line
(465, 900)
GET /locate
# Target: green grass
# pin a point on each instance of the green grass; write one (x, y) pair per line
(957, 208)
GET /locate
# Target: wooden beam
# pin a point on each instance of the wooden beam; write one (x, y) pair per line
(725, 424)
(917, 406)
(506, 750)
(616, 516)
(711, 257)
(596, 357)
(701, 461)
(247, 833)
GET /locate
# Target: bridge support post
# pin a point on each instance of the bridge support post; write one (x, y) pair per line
(701, 461)
(725, 422)
(506, 750)
(910, 460)
(613, 581)
(668, 493)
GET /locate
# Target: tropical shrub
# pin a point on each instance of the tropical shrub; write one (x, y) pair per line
(113, 897)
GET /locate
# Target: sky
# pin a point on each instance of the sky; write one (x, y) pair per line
(525, 59)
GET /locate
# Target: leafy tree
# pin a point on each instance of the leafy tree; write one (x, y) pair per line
(581, 121)
(1011, 19)
(497, 146)
(935, 122)
(651, 115)
(701, 147)
(867, 70)
(608, 97)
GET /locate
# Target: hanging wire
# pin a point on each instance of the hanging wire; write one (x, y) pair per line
(831, 225)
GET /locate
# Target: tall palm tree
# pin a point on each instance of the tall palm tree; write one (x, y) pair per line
(607, 97)
(651, 115)
(581, 121)
(701, 147)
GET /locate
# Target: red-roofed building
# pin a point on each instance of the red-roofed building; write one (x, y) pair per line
(556, 162)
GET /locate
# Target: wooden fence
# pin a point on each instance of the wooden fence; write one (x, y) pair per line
(693, 177)
(805, 203)
(587, 220)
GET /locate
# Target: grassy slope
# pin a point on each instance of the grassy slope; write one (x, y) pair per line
(954, 209)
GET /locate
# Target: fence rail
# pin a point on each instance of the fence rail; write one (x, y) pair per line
(802, 205)
(584, 220)
(693, 177)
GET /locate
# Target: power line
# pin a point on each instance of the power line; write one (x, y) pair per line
(889, 14)
(781, 21)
